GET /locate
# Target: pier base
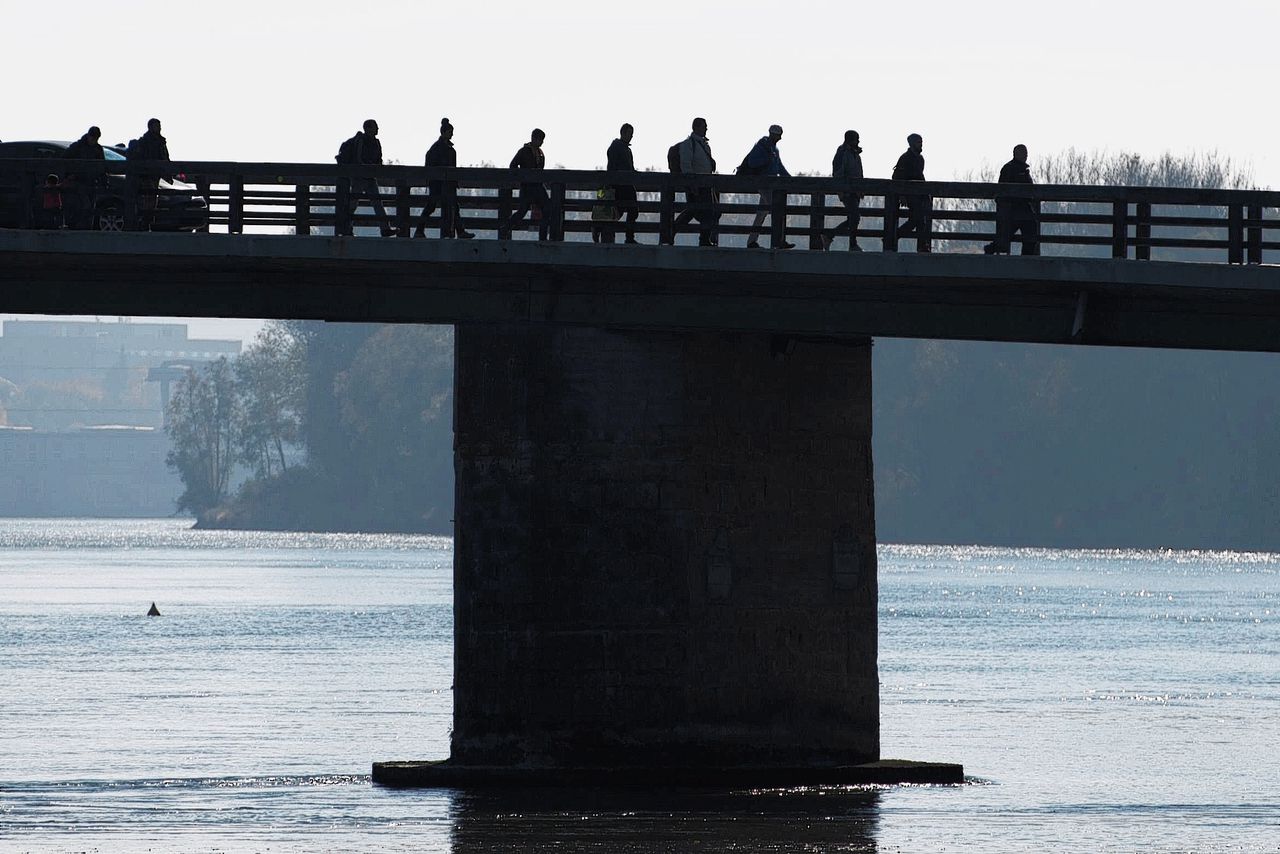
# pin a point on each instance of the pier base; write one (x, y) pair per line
(665, 562)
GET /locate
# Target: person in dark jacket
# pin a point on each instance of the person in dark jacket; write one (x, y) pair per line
(1014, 215)
(847, 166)
(368, 153)
(80, 190)
(620, 159)
(533, 194)
(910, 167)
(151, 147)
(441, 155)
(763, 159)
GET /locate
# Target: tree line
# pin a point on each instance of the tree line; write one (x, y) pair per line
(317, 426)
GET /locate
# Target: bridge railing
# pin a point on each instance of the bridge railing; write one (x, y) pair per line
(1238, 226)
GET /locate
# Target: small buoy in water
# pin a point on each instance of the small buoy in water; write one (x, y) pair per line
(154, 612)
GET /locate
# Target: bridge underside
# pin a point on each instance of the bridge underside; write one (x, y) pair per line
(835, 294)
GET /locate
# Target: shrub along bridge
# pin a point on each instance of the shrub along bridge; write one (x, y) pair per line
(665, 561)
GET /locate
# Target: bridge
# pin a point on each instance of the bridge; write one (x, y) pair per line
(665, 530)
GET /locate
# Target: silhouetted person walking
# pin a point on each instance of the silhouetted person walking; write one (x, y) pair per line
(847, 166)
(763, 159)
(441, 155)
(1014, 215)
(151, 147)
(364, 149)
(910, 167)
(695, 159)
(624, 195)
(533, 194)
(81, 188)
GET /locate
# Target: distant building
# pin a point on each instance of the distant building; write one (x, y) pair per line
(108, 471)
(66, 374)
(81, 415)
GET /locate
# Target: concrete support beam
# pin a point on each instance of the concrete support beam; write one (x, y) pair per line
(666, 550)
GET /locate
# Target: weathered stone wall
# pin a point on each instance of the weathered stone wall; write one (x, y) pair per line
(665, 549)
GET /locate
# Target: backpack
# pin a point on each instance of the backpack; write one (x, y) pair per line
(133, 150)
(347, 152)
(673, 158)
(744, 169)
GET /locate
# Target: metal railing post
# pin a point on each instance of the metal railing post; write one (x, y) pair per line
(130, 201)
(504, 213)
(342, 206)
(403, 201)
(667, 214)
(1235, 234)
(1255, 234)
(235, 204)
(1120, 229)
(777, 218)
(890, 239)
(924, 240)
(1142, 233)
(555, 228)
(817, 218)
(302, 209)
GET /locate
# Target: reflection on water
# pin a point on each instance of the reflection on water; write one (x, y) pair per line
(580, 820)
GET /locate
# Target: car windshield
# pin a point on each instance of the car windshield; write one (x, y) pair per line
(112, 154)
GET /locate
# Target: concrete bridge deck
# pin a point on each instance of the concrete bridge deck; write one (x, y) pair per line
(1097, 301)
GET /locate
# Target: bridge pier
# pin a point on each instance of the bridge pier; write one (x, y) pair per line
(664, 559)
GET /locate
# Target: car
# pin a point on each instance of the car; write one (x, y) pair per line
(179, 205)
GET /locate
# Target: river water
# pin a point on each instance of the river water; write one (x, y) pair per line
(1099, 700)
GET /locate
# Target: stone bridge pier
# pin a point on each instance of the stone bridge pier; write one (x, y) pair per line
(664, 557)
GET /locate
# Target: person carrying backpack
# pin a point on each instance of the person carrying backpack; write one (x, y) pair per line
(364, 149)
(764, 160)
(153, 148)
(695, 158)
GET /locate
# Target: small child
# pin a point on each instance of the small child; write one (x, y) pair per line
(49, 213)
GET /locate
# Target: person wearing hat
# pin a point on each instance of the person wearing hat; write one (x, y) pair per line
(910, 167)
(763, 159)
(443, 194)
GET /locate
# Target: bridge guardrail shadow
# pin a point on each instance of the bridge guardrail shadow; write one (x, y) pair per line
(1235, 226)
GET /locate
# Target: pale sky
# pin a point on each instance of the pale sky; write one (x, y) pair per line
(280, 80)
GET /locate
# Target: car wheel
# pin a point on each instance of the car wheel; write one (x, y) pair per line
(110, 218)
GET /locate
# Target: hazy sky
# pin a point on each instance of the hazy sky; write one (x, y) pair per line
(279, 80)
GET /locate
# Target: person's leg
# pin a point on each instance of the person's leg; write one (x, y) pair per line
(1004, 232)
(428, 208)
(762, 211)
(704, 213)
(543, 203)
(914, 223)
(375, 198)
(524, 207)
(1030, 235)
(628, 209)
